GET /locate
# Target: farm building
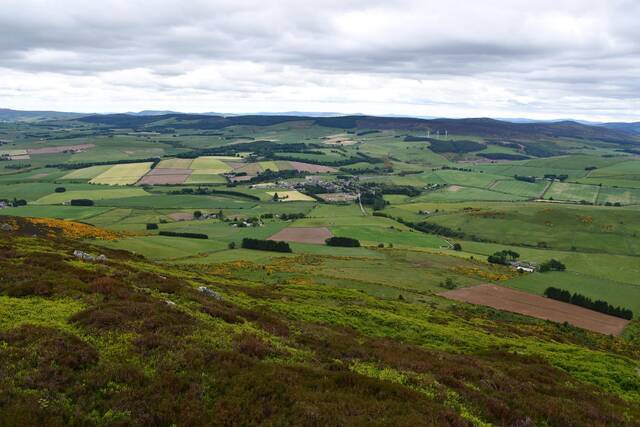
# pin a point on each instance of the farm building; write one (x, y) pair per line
(523, 266)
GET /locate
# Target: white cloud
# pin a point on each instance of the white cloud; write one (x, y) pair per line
(545, 59)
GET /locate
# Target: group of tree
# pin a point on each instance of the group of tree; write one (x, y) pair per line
(265, 245)
(373, 199)
(15, 202)
(154, 160)
(346, 242)
(187, 235)
(503, 257)
(524, 178)
(81, 202)
(503, 156)
(586, 302)
(555, 177)
(552, 265)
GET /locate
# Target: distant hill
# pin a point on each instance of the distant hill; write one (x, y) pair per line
(624, 127)
(8, 115)
(483, 127)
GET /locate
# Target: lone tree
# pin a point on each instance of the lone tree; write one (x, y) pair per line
(275, 197)
(197, 214)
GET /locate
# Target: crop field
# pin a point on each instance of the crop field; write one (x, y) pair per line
(86, 173)
(59, 198)
(520, 188)
(175, 164)
(624, 196)
(572, 192)
(315, 235)
(524, 303)
(125, 174)
(291, 196)
(209, 165)
(457, 193)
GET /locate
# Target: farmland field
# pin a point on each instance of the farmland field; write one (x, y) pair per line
(122, 174)
(573, 192)
(540, 307)
(402, 314)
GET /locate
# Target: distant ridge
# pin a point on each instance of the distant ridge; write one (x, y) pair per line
(484, 127)
(9, 115)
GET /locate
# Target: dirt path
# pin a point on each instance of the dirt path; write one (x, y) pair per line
(364, 213)
(546, 188)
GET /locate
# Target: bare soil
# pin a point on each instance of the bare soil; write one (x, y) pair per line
(303, 235)
(537, 306)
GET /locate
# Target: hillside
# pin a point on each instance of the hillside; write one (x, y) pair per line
(130, 341)
(487, 128)
(8, 115)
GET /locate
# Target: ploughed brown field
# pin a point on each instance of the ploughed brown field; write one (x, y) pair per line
(303, 235)
(537, 306)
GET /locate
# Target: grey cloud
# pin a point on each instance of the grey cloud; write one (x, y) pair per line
(574, 48)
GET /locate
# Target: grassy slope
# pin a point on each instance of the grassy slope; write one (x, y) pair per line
(99, 345)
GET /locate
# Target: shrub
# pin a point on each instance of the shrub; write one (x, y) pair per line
(265, 245)
(187, 235)
(552, 265)
(346, 242)
(152, 226)
(457, 247)
(60, 190)
(81, 202)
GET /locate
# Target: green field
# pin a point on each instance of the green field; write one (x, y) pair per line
(572, 192)
(103, 194)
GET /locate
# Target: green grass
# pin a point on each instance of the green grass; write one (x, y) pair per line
(178, 202)
(625, 196)
(572, 192)
(463, 194)
(520, 188)
(104, 194)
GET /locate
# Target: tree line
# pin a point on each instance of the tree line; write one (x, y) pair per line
(586, 302)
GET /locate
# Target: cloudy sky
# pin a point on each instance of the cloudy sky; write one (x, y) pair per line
(455, 58)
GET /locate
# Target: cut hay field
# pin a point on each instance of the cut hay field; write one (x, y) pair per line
(210, 165)
(86, 173)
(124, 174)
(291, 196)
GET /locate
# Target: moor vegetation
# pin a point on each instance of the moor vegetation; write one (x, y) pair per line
(131, 342)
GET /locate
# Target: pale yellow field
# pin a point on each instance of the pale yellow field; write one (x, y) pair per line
(122, 174)
(210, 165)
(87, 173)
(175, 164)
(269, 165)
(291, 196)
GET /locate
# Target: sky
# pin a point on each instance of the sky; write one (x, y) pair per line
(543, 59)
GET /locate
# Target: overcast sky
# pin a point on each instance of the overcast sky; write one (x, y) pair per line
(496, 58)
